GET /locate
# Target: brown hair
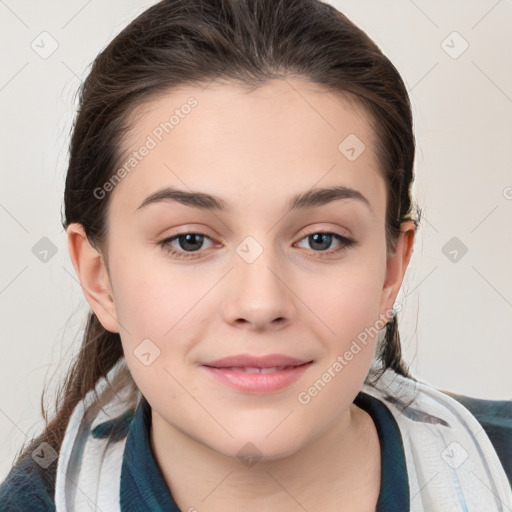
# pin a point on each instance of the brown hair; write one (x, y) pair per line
(247, 42)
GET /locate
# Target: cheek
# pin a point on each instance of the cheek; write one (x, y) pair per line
(161, 314)
(151, 301)
(350, 310)
(349, 307)
(155, 334)
(348, 301)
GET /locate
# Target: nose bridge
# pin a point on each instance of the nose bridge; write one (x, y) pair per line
(259, 295)
(257, 264)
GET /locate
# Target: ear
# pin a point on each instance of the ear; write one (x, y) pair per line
(93, 276)
(397, 265)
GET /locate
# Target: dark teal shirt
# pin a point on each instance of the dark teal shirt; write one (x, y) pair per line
(143, 487)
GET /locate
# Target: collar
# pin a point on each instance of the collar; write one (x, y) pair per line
(143, 486)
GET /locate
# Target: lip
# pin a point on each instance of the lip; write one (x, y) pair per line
(248, 361)
(281, 372)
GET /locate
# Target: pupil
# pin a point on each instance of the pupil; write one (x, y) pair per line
(317, 238)
(187, 238)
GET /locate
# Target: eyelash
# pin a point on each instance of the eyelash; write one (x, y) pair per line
(165, 244)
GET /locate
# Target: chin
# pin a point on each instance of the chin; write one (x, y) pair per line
(259, 448)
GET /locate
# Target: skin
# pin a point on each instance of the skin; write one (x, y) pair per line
(254, 149)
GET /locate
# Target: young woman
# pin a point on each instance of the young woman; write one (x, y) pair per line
(239, 213)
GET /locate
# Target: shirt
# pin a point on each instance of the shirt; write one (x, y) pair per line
(143, 487)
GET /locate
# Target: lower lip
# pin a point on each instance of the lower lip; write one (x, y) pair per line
(261, 383)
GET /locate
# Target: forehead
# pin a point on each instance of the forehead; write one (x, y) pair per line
(284, 136)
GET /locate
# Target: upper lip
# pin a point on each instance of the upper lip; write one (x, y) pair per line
(248, 361)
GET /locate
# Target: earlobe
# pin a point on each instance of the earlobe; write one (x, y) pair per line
(93, 276)
(397, 265)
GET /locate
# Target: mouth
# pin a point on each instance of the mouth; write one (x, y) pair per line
(257, 378)
(247, 369)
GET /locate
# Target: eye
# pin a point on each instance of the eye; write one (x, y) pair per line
(321, 241)
(189, 242)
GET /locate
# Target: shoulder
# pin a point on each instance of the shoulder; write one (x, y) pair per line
(495, 416)
(28, 488)
(440, 432)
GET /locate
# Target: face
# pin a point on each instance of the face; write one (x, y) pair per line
(253, 276)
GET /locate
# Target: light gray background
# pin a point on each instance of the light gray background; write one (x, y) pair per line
(456, 326)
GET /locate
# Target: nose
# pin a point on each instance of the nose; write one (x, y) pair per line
(259, 293)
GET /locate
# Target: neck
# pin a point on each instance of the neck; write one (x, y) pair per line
(338, 471)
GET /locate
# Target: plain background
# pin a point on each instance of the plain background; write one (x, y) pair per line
(457, 322)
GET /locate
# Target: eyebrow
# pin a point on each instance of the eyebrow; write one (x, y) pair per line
(310, 199)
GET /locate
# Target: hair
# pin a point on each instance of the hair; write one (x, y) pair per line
(246, 42)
